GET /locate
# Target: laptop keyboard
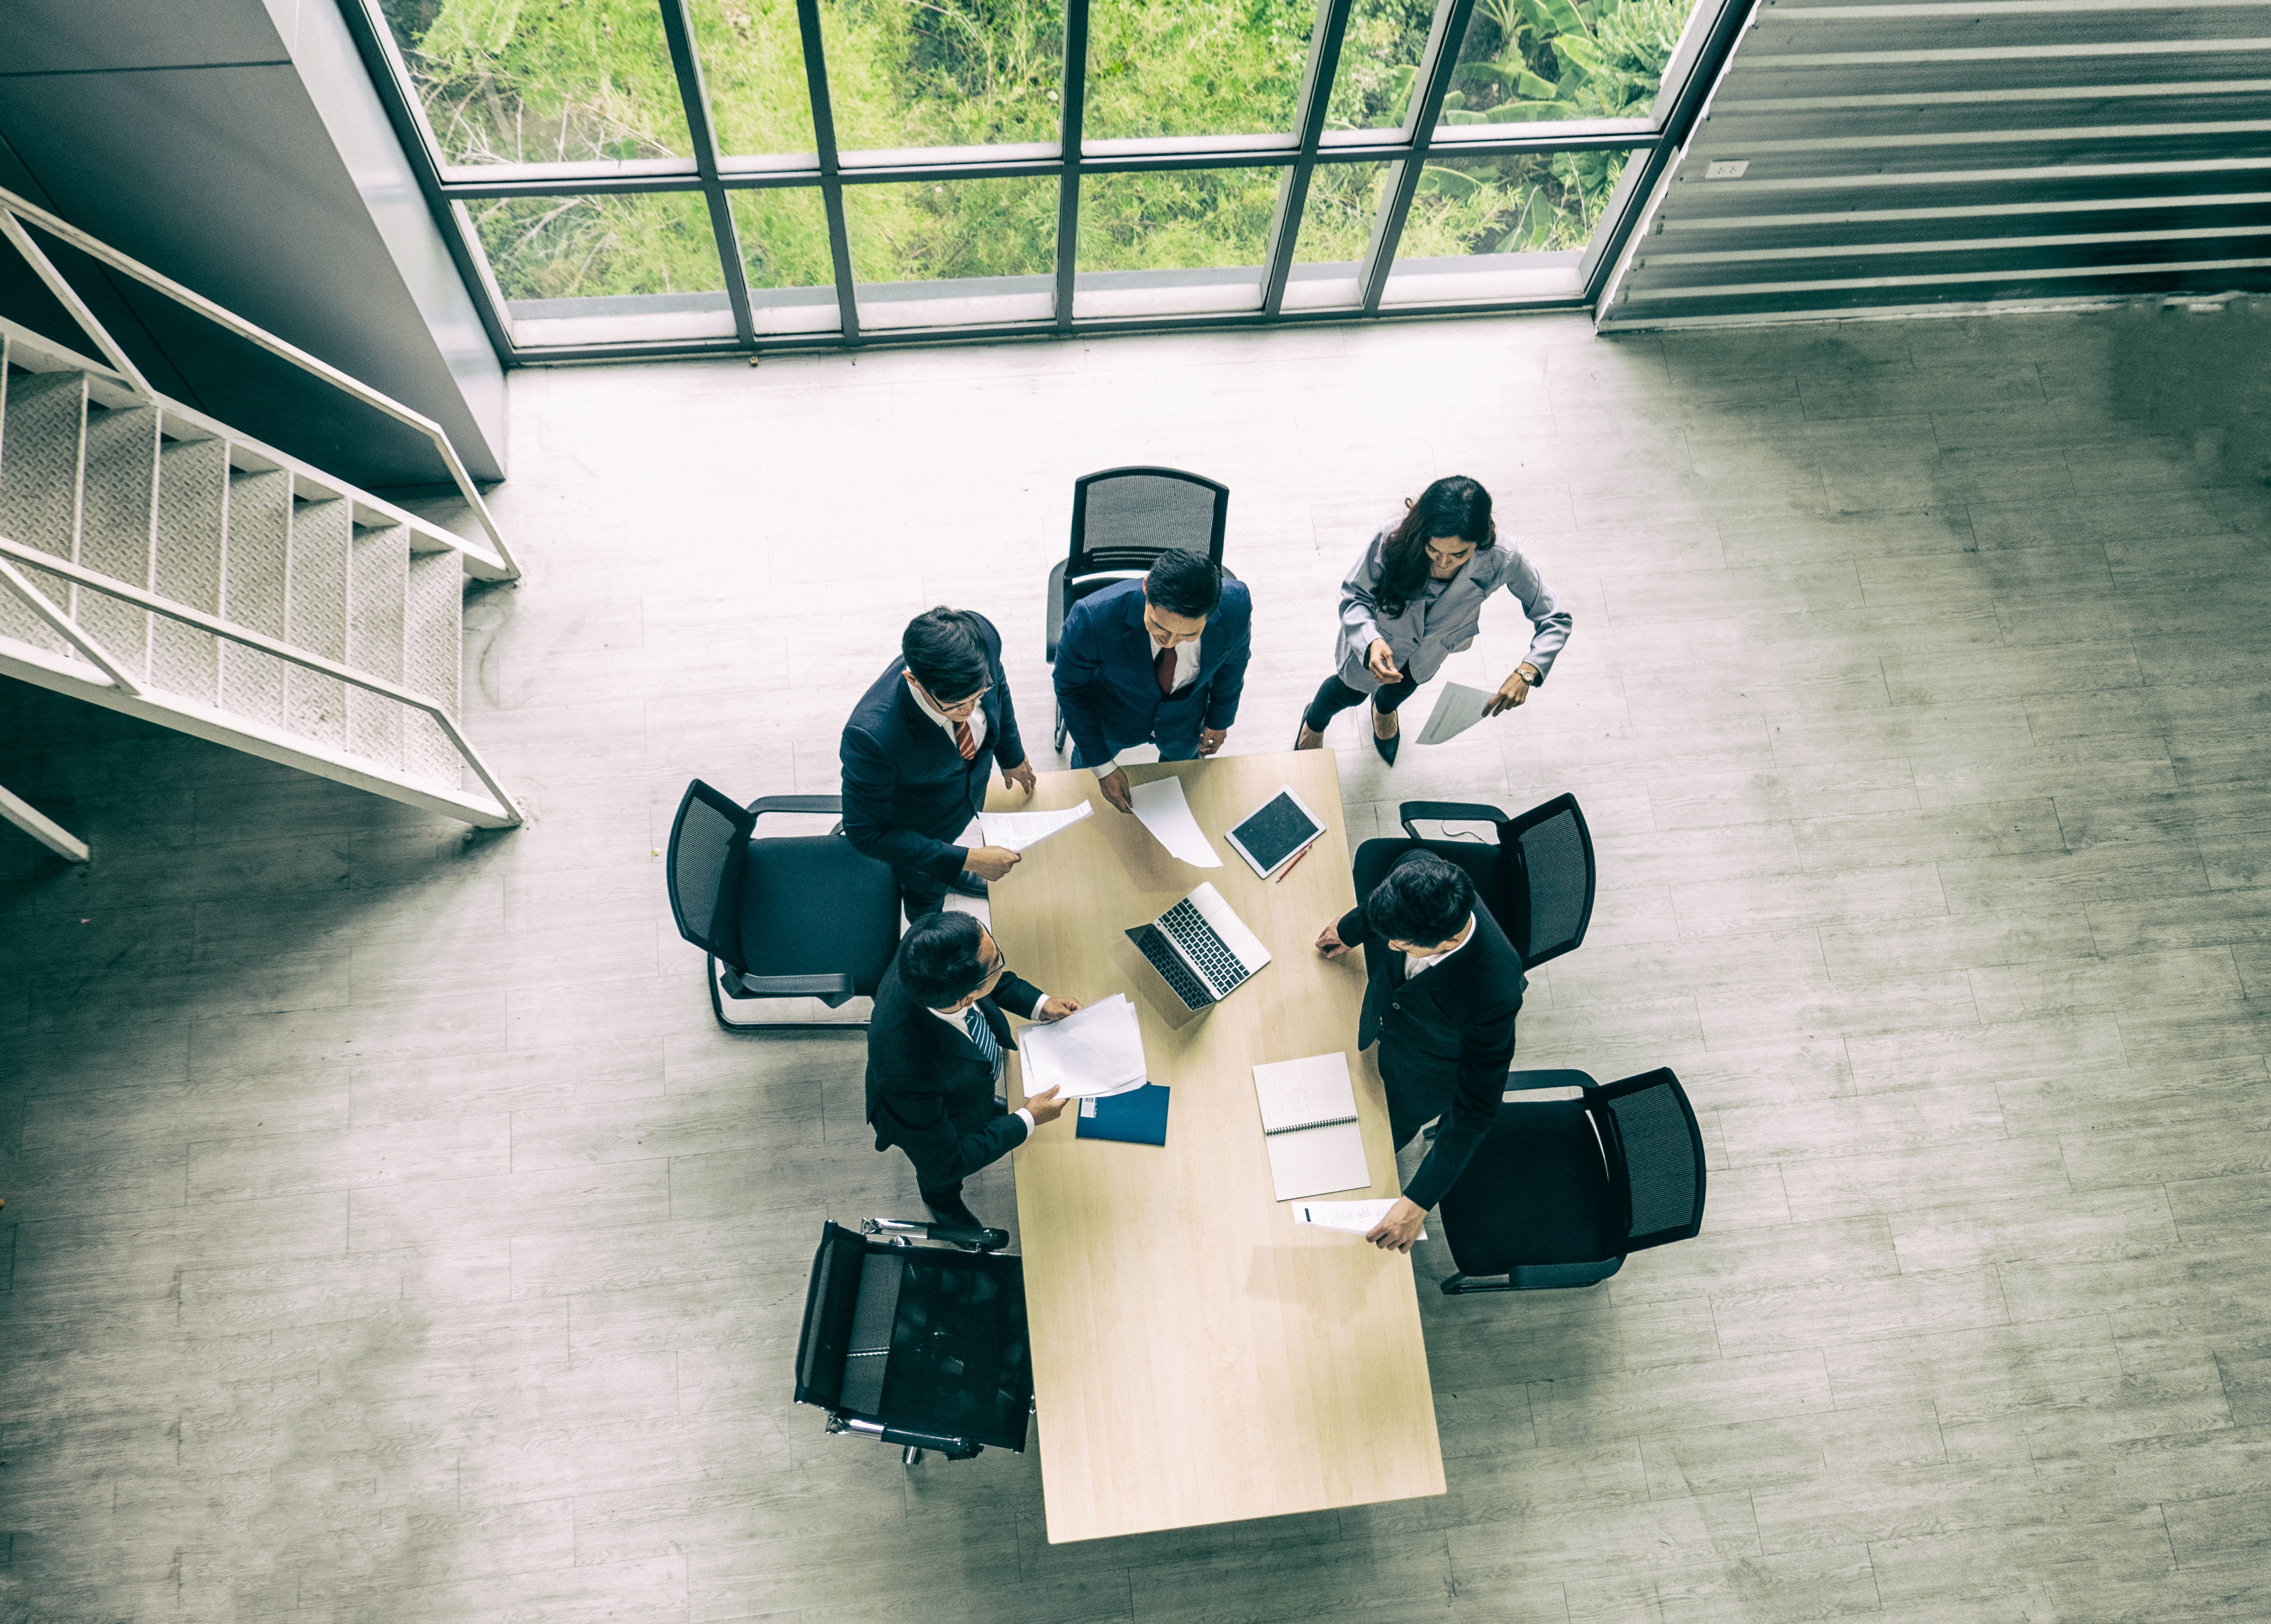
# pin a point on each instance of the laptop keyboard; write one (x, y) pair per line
(1192, 933)
(1171, 968)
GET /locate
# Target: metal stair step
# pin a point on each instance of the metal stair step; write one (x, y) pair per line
(376, 597)
(192, 508)
(315, 616)
(253, 583)
(42, 438)
(433, 642)
(115, 520)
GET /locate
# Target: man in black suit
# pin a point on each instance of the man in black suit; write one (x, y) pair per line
(934, 1046)
(916, 754)
(1442, 987)
(1162, 659)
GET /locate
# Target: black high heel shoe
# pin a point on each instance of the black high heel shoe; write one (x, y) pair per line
(1387, 747)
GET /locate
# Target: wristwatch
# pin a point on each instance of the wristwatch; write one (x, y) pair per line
(1528, 672)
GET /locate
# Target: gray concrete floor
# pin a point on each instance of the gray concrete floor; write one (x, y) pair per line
(391, 1237)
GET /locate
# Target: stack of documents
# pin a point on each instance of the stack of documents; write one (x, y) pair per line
(1308, 1121)
(1097, 1050)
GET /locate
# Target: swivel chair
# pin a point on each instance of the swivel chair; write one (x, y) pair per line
(1536, 882)
(1122, 519)
(914, 1334)
(786, 916)
(1574, 1177)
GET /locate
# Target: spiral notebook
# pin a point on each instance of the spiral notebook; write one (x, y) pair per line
(1309, 1125)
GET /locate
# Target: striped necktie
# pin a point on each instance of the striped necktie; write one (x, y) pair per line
(965, 741)
(982, 1037)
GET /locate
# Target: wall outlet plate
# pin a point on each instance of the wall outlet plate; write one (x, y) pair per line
(1721, 170)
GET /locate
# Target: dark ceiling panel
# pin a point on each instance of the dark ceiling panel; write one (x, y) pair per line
(72, 36)
(1866, 161)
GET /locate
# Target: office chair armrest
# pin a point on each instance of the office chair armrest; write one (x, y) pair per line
(784, 985)
(1441, 811)
(763, 804)
(953, 1235)
(1056, 607)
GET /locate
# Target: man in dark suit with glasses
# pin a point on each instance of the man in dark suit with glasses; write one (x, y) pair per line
(935, 1043)
(917, 753)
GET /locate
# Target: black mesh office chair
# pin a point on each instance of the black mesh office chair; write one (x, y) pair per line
(787, 916)
(1574, 1177)
(922, 1345)
(1537, 881)
(1123, 518)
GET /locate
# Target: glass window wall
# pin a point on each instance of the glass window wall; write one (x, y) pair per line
(503, 82)
(610, 267)
(1533, 61)
(614, 215)
(1511, 228)
(1173, 242)
(953, 252)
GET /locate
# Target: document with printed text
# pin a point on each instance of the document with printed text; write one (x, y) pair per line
(1356, 1216)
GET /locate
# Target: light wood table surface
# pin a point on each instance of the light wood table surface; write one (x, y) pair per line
(1198, 1357)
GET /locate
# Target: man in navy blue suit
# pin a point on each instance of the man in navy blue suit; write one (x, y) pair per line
(916, 755)
(1162, 659)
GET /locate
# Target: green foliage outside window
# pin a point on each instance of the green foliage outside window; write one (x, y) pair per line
(550, 81)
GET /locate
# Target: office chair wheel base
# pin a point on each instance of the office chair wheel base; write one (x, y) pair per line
(910, 1457)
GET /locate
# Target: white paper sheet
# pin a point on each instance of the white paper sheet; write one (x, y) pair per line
(1457, 708)
(1160, 807)
(1298, 1093)
(1356, 1216)
(1316, 1161)
(1097, 1050)
(1022, 830)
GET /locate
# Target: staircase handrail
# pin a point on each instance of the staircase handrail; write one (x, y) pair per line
(93, 247)
(45, 608)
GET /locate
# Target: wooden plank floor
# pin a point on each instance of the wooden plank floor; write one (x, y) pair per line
(389, 1238)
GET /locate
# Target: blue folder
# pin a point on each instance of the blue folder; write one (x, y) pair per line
(1138, 1116)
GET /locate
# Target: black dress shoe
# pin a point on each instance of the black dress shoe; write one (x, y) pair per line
(968, 883)
(1387, 747)
(954, 1210)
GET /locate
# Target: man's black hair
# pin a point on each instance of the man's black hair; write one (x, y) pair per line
(939, 959)
(1184, 582)
(1424, 899)
(948, 657)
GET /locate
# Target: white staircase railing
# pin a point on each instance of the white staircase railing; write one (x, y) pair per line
(493, 563)
(501, 812)
(158, 563)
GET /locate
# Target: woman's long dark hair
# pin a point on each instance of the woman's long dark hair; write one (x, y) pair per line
(1454, 506)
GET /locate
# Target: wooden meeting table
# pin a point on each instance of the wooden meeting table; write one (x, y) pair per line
(1198, 1357)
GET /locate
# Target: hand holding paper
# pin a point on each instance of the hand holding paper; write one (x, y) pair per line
(1097, 1050)
(1356, 1216)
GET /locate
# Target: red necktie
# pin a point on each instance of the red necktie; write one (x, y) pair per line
(1164, 668)
(964, 743)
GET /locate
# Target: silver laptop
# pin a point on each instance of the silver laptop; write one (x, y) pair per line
(1202, 949)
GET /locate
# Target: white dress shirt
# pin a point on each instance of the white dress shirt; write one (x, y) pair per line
(977, 721)
(1187, 672)
(1413, 964)
(953, 1017)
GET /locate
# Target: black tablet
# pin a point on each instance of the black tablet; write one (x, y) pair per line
(1277, 834)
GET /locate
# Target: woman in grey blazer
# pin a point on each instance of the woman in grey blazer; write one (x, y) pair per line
(1415, 597)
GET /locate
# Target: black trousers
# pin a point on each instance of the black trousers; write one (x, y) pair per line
(1335, 697)
(1419, 1087)
(919, 893)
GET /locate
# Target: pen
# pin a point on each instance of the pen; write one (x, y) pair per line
(1296, 863)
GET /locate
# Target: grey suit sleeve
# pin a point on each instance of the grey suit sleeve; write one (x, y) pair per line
(1360, 602)
(1549, 621)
